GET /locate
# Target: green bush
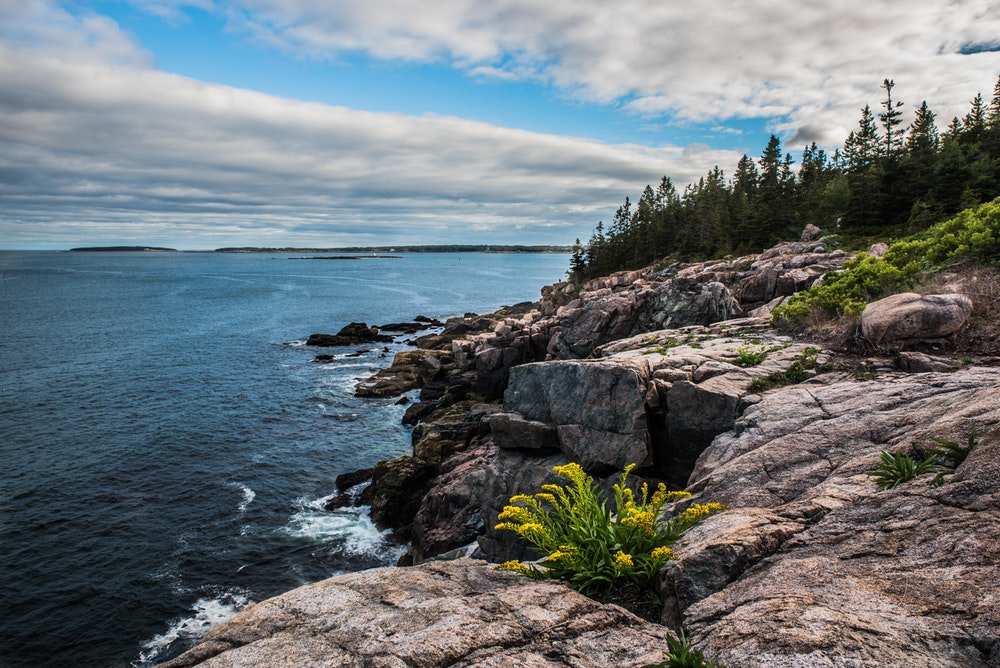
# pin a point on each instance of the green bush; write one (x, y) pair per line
(584, 544)
(950, 453)
(974, 233)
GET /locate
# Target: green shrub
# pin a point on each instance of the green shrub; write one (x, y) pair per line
(680, 654)
(584, 544)
(974, 233)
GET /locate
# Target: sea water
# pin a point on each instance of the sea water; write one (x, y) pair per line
(167, 443)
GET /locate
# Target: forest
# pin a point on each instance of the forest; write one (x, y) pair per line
(885, 181)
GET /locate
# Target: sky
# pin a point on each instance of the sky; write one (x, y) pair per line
(201, 124)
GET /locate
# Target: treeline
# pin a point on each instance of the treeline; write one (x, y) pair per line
(886, 180)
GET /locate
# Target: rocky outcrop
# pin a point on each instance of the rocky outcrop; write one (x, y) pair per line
(452, 614)
(356, 333)
(654, 400)
(908, 316)
(815, 565)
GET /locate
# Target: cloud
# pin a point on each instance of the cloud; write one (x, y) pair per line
(801, 63)
(93, 135)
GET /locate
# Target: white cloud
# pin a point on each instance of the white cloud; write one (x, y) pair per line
(139, 154)
(89, 130)
(805, 63)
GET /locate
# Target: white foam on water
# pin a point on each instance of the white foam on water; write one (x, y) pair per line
(350, 529)
(248, 496)
(206, 614)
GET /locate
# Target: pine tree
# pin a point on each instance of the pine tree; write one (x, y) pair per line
(577, 261)
(891, 118)
(920, 155)
(862, 147)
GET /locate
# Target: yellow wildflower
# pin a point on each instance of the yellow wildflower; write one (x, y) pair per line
(700, 511)
(533, 531)
(514, 566)
(663, 553)
(559, 554)
(640, 519)
(573, 472)
(676, 496)
(510, 526)
(547, 498)
(516, 514)
(623, 560)
(521, 498)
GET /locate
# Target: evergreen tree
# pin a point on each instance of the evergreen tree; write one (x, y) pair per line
(864, 174)
(920, 155)
(578, 261)
(893, 141)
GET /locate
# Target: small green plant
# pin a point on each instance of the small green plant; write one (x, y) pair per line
(747, 357)
(680, 654)
(950, 453)
(895, 469)
(663, 347)
(795, 372)
(582, 543)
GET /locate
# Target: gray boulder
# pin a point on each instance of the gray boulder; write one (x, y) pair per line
(597, 407)
(911, 316)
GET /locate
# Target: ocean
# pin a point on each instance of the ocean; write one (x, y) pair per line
(167, 443)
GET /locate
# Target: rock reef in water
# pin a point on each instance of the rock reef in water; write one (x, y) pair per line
(814, 565)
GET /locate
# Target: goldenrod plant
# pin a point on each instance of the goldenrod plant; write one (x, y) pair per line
(583, 543)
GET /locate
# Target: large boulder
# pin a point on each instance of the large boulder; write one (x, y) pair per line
(815, 565)
(912, 316)
(474, 487)
(396, 489)
(598, 409)
(457, 613)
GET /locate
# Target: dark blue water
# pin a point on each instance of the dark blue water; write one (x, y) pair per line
(164, 448)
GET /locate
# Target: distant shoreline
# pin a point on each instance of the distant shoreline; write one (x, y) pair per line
(361, 251)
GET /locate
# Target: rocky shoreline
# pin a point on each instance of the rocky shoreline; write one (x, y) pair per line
(676, 369)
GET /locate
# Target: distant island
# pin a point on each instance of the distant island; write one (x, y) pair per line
(361, 251)
(119, 249)
(347, 257)
(368, 250)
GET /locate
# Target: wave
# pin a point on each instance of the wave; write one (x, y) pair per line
(206, 614)
(349, 531)
(248, 496)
